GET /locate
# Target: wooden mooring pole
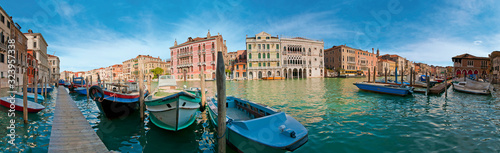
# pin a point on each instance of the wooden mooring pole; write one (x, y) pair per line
(385, 74)
(150, 90)
(25, 97)
(221, 103)
(45, 86)
(202, 85)
(428, 80)
(374, 73)
(445, 83)
(141, 94)
(411, 76)
(369, 75)
(87, 86)
(35, 88)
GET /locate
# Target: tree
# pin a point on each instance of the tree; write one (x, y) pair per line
(156, 72)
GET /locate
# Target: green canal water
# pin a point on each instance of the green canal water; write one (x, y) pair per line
(339, 117)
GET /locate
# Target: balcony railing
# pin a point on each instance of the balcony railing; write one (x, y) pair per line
(184, 65)
(212, 50)
(185, 54)
(264, 67)
(264, 60)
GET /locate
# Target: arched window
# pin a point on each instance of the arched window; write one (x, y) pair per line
(267, 46)
(284, 48)
(277, 46)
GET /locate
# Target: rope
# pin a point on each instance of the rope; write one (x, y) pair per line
(225, 130)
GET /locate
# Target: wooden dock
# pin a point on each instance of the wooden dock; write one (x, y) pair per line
(437, 89)
(71, 132)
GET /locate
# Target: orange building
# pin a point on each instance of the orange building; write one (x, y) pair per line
(239, 65)
(32, 64)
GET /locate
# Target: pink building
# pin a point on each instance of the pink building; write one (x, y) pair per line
(191, 56)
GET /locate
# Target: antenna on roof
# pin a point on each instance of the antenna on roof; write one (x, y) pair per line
(54, 53)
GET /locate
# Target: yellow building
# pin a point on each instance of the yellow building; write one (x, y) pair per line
(263, 52)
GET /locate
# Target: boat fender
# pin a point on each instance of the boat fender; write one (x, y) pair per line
(94, 90)
(114, 89)
(287, 131)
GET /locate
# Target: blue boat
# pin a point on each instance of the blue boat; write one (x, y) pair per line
(31, 89)
(81, 90)
(259, 127)
(400, 90)
(61, 82)
(31, 96)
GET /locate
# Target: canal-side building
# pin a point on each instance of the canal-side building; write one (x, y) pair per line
(239, 65)
(302, 58)
(470, 64)
(263, 56)
(190, 57)
(383, 65)
(5, 33)
(66, 75)
(495, 66)
(31, 66)
(130, 68)
(54, 64)
(37, 43)
(343, 57)
(400, 61)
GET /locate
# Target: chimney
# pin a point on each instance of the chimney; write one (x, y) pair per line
(373, 50)
(30, 31)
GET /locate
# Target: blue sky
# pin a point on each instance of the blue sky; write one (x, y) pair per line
(91, 34)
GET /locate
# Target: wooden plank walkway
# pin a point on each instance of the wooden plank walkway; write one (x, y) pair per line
(70, 130)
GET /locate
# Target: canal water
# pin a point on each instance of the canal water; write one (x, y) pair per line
(339, 117)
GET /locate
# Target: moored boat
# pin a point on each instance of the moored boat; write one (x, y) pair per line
(81, 90)
(31, 96)
(473, 87)
(170, 108)
(400, 90)
(61, 82)
(259, 127)
(32, 106)
(39, 90)
(117, 100)
(272, 78)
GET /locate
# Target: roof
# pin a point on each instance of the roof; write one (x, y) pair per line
(495, 54)
(469, 56)
(194, 40)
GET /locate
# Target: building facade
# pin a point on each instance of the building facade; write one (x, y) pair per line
(190, 57)
(263, 56)
(302, 58)
(55, 68)
(5, 34)
(469, 64)
(347, 58)
(37, 43)
(239, 65)
(130, 68)
(495, 66)
(385, 65)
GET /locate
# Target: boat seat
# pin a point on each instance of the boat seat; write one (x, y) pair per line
(253, 112)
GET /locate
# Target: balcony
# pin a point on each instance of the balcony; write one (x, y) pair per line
(185, 54)
(265, 60)
(184, 65)
(264, 67)
(212, 62)
(351, 62)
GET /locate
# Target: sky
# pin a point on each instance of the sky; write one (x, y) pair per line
(98, 33)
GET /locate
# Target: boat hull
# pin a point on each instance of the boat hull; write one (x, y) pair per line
(247, 135)
(461, 88)
(165, 113)
(31, 96)
(39, 90)
(114, 105)
(32, 106)
(81, 91)
(382, 89)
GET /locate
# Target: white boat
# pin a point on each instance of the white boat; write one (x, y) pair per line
(473, 87)
(171, 108)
